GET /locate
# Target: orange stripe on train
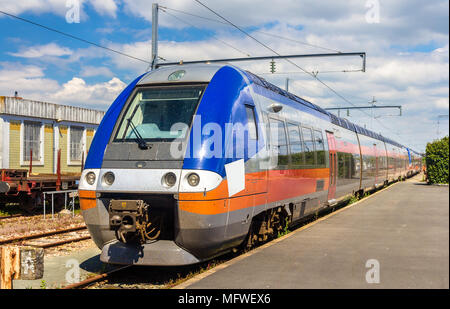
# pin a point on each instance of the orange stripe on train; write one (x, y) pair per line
(280, 185)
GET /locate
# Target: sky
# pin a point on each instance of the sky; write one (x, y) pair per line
(407, 46)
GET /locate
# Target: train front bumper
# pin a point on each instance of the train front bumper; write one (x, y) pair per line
(157, 253)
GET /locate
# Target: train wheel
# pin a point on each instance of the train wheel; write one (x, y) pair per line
(264, 227)
(27, 203)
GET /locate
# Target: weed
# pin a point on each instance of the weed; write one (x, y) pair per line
(352, 200)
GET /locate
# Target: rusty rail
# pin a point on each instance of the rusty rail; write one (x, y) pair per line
(34, 236)
(10, 217)
(61, 242)
(95, 278)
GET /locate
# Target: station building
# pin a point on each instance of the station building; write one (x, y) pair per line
(37, 130)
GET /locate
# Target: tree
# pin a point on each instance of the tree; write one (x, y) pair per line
(437, 156)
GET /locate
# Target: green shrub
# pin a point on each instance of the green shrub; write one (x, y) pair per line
(437, 161)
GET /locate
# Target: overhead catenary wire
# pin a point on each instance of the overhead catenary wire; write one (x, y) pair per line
(315, 72)
(288, 60)
(217, 39)
(257, 31)
(275, 52)
(76, 37)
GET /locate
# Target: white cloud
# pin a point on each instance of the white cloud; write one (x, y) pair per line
(78, 92)
(30, 82)
(90, 71)
(51, 49)
(58, 7)
(27, 80)
(36, 6)
(105, 7)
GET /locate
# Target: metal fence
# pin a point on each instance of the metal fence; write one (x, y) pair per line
(66, 193)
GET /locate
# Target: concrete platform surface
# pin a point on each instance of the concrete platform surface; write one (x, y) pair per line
(398, 238)
(60, 271)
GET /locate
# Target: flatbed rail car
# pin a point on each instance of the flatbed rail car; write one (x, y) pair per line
(20, 186)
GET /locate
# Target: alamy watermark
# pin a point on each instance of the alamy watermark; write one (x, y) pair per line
(73, 274)
(373, 274)
(73, 12)
(373, 14)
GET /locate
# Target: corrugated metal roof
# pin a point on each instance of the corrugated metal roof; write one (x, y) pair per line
(37, 109)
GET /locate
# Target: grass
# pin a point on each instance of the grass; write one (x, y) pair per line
(9, 210)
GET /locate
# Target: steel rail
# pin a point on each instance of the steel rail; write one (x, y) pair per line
(40, 235)
(61, 242)
(94, 279)
(10, 217)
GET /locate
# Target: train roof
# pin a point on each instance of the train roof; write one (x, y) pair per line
(342, 122)
(202, 73)
(205, 72)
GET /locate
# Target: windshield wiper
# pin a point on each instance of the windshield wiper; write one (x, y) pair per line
(141, 142)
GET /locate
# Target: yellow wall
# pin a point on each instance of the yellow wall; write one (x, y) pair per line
(47, 168)
(89, 138)
(14, 145)
(14, 149)
(63, 140)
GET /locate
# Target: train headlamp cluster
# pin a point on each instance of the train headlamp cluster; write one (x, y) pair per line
(193, 179)
(90, 178)
(109, 178)
(169, 179)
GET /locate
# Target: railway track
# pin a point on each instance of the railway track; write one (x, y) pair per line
(169, 277)
(39, 238)
(94, 279)
(10, 217)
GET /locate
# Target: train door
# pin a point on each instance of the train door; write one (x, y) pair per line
(256, 178)
(333, 166)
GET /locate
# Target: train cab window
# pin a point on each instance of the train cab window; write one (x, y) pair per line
(295, 144)
(308, 143)
(160, 113)
(320, 147)
(251, 120)
(279, 141)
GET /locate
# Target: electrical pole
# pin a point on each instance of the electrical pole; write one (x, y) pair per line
(287, 84)
(371, 118)
(154, 36)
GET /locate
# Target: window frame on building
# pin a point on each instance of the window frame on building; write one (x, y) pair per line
(41, 152)
(70, 161)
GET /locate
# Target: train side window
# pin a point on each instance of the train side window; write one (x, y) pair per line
(279, 141)
(295, 144)
(251, 120)
(320, 147)
(308, 143)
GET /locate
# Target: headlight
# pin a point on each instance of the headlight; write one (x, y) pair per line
(169, 179)
(109, 178)
(90, 178)
(193, 179)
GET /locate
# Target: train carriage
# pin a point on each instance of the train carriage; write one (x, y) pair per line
(192, 161)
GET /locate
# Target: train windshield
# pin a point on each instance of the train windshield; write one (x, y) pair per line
(159, 113)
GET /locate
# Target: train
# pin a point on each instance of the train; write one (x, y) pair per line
(196, 160)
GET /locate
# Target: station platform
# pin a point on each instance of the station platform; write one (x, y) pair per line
(397, 238)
